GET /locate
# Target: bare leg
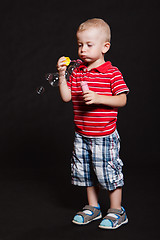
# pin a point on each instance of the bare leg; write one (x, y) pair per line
(115, 197)
(92, 195)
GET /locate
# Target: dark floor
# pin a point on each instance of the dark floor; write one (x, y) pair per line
(34, 207)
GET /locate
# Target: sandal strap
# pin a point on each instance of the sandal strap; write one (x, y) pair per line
(116, 211)
(92, 209)
(84, 215)
(87, 217)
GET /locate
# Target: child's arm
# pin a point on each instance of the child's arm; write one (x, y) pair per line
(63, 88)
(91, 97)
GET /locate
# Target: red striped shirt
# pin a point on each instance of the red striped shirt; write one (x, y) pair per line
(96, 120)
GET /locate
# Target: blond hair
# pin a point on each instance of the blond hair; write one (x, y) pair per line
(96, 23)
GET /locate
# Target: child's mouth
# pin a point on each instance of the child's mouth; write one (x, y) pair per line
(84, 57)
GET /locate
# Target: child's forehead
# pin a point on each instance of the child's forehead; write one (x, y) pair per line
(89, 33)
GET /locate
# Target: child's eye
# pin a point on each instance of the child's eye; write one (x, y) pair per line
(79, 45)
(90, 45)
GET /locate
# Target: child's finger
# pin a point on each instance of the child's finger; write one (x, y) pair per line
(89, 102)
(87, 98)
(61, 61)
(61, 68)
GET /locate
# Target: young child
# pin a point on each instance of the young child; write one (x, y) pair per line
(95, 161)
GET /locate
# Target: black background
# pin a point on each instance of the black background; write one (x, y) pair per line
(37, 131)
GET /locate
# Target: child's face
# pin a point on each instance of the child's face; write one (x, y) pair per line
(91, 45)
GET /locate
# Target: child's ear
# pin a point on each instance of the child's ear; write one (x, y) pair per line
(106, 47)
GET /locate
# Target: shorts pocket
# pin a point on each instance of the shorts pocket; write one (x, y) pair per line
(114, 170)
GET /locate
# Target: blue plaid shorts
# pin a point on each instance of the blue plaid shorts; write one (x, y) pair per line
(96, 161)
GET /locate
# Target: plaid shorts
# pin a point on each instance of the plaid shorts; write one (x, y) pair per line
(96, 161)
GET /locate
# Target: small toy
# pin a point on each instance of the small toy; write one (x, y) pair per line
(67, 61)
(84, 86)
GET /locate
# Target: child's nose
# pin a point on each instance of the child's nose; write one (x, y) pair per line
(83, 49)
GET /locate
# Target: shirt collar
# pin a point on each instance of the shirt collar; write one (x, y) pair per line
(102, 68)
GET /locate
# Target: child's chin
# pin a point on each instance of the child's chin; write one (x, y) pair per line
(87, 60)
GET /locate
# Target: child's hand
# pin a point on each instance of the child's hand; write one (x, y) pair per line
(91, 97)
(61, 66)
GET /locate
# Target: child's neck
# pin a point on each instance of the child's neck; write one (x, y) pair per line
(96, 64)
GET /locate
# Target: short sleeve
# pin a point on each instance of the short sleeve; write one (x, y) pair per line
(118, 84)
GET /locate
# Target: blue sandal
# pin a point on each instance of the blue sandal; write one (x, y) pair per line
(114, 219)
(87, 215)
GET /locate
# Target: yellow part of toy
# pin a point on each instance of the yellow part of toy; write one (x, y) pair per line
(67, 61)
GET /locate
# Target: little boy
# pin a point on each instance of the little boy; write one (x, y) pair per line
(95, 160)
